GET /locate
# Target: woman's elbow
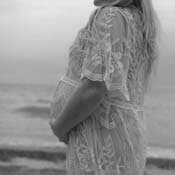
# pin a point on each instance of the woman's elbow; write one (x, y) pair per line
(100, 91)
(95, 89)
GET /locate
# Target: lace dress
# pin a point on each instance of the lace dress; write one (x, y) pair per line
(111, 141)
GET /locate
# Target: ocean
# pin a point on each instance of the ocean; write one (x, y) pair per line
(24, 118)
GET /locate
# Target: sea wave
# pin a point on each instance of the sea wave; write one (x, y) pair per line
(157, 152)
(43, 101)
(34, 111)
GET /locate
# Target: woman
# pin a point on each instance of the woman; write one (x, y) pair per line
(110, 65)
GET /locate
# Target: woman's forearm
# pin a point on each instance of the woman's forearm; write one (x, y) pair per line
(80, 105)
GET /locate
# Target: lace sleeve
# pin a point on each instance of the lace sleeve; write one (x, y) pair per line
(108, 58)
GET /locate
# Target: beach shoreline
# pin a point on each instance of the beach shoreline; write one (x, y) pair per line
(51, 160)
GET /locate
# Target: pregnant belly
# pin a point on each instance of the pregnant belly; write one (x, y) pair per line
(64, 90)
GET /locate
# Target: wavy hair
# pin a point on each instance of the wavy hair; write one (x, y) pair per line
(151, 35)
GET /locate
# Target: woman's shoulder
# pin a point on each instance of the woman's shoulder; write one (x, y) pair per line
(108, 13)
(112, 18)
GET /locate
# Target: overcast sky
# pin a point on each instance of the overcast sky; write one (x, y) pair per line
(35, 36)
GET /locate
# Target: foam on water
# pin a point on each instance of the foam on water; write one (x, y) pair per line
(163, 153)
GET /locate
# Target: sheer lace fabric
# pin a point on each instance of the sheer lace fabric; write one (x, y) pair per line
(111, 141)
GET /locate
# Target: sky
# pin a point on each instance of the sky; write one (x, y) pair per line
(35, 36)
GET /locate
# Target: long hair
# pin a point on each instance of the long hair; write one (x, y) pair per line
(151, 35)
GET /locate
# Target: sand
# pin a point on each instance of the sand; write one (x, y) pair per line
(22, 170)
(51, 161)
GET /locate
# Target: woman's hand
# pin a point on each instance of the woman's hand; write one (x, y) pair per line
(52, 124)
(79, 107)
(64, 138)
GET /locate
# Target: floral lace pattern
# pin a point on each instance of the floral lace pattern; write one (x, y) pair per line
(108, 59)
(111, 141)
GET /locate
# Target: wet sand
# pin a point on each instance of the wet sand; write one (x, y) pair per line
(51, 161)
(40, 168)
